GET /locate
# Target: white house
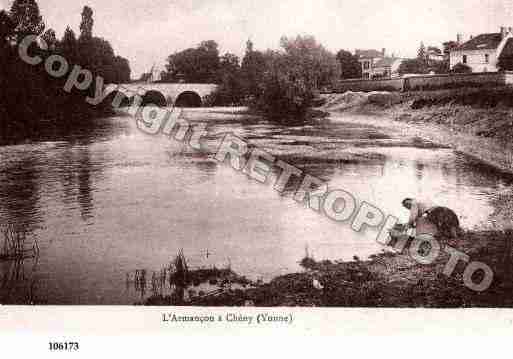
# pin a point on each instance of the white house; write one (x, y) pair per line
(387, 67)
(375, 64)
(481, 53)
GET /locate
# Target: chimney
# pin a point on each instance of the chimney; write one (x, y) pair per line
(459, 39)
(504, 31)
(383, 51)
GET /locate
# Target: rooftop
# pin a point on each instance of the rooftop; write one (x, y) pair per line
(482, 42)
(368, 54)
(386, 62)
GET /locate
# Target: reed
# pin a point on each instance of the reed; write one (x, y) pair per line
(15, 245)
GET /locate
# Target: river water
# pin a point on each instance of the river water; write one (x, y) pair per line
(107, 202)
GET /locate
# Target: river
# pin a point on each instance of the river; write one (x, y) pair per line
(107, 202)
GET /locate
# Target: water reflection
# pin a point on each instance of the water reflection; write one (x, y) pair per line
(85, 198)
(19, 281)
(19, 193)
(419, 170)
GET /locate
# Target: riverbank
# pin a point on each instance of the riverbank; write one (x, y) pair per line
(392, 279)
(476, 122)
(386, 280)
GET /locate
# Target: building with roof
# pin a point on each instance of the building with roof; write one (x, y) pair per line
(387, 67)
(481, 53)
(375, 64)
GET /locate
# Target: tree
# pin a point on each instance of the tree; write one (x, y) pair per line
(229, 64)
(101, 58)
(200, 64)
(230, 90)
(349, 65)
(95, 53)
(208, 57)
(319, 63)
(293, 77)
(287, 89)
(50, 38)
(122, 70)
(27, 18)
(442, 67)
(36, 99)
(413, 66)
(460, 68)
(252, 70)
(422, 54)
(7, 27)
(505, 62)
(68, 46)
(86, 26)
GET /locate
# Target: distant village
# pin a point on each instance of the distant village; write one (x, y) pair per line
(478, 54)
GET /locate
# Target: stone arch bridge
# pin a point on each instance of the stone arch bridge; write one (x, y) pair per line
(177, 94)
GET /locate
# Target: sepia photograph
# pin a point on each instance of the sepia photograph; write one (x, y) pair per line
(255, 154)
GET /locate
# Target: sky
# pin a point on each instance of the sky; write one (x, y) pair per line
(147, 31)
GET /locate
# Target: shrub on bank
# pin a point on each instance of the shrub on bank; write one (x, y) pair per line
(285, 100)
(461, 68)
(227, 94)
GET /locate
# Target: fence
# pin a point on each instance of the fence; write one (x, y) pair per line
(427, 82)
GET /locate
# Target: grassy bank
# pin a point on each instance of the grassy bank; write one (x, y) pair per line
(385, 280)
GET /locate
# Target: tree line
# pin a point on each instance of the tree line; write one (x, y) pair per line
(30, 97)
(281, 84)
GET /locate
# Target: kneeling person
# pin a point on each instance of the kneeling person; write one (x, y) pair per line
(429, 218)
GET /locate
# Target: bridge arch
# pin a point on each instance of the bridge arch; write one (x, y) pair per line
(188, 99)
(188, 95)
(121, 98)
(154, 97)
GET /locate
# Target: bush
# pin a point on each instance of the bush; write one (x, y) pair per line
(461, 69)
(292, 77)
(229, 93)
(285, 100)
(505, 63)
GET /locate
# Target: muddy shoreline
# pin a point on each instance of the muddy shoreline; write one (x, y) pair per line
(481, 133)
(388, 279)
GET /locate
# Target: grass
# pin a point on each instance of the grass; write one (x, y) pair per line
(15, 246)
(177, 279)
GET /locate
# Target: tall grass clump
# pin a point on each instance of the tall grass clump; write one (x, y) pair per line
(14, 245)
